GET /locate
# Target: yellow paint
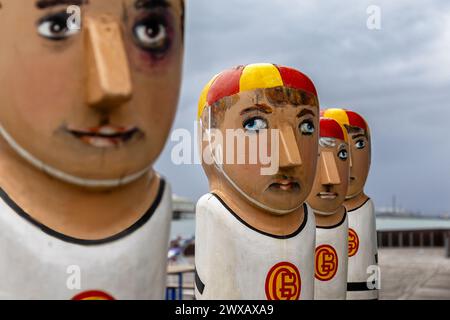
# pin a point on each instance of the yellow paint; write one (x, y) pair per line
(260, 76)
(204, 95)
(340, 116)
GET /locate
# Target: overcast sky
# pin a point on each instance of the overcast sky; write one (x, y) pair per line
(397, 77)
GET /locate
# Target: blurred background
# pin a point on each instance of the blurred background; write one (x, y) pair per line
(389, 61)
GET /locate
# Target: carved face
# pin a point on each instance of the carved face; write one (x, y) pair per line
(251, 114)
(95, 103)
(332, 176)
(360, 151)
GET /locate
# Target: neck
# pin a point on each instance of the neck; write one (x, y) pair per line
(279, 225)
(356, 201)
(71, 210)
(330, 219)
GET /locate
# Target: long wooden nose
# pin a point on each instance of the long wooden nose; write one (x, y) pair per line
(108, 74)
(328, 170)
(289, 151)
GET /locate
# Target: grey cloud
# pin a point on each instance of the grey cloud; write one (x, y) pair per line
(397, 77)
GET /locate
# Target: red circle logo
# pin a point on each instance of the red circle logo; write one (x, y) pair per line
(353, 242)
(93, 295)
(326, 262)
(283, 282)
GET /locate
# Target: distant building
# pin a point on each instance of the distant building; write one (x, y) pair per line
(182, 207)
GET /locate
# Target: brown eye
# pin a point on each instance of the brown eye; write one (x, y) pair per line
(152, 34)
(54, 27)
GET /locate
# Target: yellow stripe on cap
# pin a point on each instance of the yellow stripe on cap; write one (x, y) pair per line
(337, 114)
(202, 103)
(260, 76)
(340, 116)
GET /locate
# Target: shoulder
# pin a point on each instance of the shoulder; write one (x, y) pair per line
(209, 202)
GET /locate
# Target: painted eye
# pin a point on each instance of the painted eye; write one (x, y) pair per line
(307, 128)
(152, 34)
(360, 144)
(54, 27)
(255, 124)
(343, 155)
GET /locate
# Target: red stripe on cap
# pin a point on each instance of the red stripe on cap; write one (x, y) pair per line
(226, 84)
(330, 128)
(297, 80)
(94, 295)
(355, 120)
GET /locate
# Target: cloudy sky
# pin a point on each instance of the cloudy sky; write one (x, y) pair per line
(397, 77)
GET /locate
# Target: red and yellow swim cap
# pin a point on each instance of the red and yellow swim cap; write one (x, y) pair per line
(330, 128)
(251, 77)
(346, 117)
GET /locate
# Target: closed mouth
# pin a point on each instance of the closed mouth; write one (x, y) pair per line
(327, 195)
(105, 136)
(285, 185)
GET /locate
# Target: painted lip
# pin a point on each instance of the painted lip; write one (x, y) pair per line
(105, 136)
(285, 185)
(327, 195)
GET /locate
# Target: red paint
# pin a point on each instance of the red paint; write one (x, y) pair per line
(326, 263)
(225, 85)
(93, 295)
(283, 282)
(353, 242)
(355, 120)
(297, 80)
(330, 128)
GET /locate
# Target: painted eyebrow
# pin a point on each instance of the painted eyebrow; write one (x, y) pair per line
(342, 145)
(359, 136)
(44, 4)
(258, 107)
(304, 112)
(149, 4)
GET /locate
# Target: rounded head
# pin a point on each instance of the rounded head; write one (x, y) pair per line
(360, 147)
(94, 102)
(332, 176)
(263, 119)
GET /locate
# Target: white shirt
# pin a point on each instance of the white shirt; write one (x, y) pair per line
(363, 252)
(236, 261)
(331, 261)
(39, 263)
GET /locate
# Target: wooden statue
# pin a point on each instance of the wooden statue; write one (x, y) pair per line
(255, 234)
(84, 114)
(363, 272)
(327, 200)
